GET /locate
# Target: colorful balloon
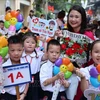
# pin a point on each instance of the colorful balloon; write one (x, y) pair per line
(6, 24)
(12, 28)
(3, 41)
(4, 51)
(20, 18)
(18, 25)
(94, 72)
(95, 76)
(1, 60)
(58, 62)
(70, 67)
(94, 82)
(14, 13)
(68, 74)
(98, 68)
(56, 70)
(62, 66)
(13, 21)
(8, 16)
(66, 61)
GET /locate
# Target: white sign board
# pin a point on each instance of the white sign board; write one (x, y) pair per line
(17, 74)
(43, 26)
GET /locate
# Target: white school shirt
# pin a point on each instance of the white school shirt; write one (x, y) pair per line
(29, 21)
(46, 72)
(34, 62)
(85, 71)
(3, 32)
(11, 90)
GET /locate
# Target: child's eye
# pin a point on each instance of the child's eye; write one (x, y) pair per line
(57, 52)
(11, 50)
(51, 51)
(33, 42)
(20, 50)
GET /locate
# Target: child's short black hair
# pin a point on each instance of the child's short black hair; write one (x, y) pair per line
(7, 8)
(1, 21)
(14, 39)
(53, 42)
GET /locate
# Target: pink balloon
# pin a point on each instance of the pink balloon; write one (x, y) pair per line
(12, 28)
(89, 34)
(0, 59)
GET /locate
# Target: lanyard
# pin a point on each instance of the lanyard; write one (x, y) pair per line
(30, 60)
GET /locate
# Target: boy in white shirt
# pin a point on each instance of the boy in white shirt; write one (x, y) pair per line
(15, 52)
(2, 29)
(47, 79)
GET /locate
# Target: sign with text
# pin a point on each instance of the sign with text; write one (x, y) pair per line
(43, 26)
(91, 94)
(17, 74)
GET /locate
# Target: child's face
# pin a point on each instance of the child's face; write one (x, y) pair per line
(95, 54)
(29, 45)
(1, 25)
(15, 52)
(53, 52)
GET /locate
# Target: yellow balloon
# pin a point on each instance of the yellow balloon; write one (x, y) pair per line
(63, 68)
(13, 21)
(99, 78)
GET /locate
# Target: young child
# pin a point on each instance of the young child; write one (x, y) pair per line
(2, 29)
(34, 58)
(85, 78)
(47, 79)
(15, 52)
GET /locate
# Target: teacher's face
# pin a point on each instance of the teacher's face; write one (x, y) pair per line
(75, 19)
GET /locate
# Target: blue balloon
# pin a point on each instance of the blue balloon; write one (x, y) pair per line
(56, 70)
(94, 82)
(18, 25)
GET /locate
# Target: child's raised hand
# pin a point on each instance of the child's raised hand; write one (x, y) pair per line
(42, 37)
(58, 33)
(79, 73)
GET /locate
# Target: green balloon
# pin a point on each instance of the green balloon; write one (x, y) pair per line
(68, 74)
(6, 24)
(3, 51)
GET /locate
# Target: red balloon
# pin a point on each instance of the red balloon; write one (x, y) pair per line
(14, 13)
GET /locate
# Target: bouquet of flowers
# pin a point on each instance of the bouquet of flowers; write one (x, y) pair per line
(75, 49)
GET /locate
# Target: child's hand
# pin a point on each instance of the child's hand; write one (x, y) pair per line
(58, 33)
(60, 75)
(65, 83)
(22, 96)
(79, 73)
(42, 38)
